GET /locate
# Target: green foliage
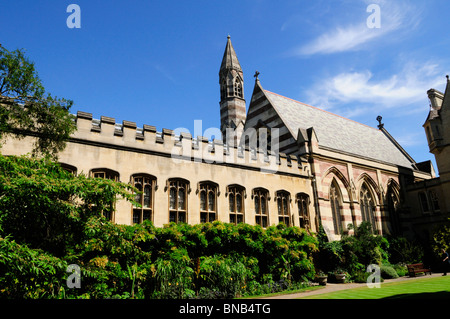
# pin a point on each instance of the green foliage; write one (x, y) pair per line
(26, 109)
(50, 219)
(44, 206)
(388, 272)
(404, 250)
(441, 239)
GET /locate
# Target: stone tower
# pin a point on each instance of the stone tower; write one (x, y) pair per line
(232, 102)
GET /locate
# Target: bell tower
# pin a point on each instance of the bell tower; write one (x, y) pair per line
(232, 102)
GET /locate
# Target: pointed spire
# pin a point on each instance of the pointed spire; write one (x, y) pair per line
(230, 60)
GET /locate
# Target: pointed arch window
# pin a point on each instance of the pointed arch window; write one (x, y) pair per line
(367, 206)
(260, 198)
(236, 195)
(335, 202)
(238, 87)
(303, 210)
(223, 89)
(208, 192)
(146, 185)
(393, 203)
(178, 203)
(283, 200)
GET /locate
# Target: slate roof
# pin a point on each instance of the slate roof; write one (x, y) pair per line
(339, 133)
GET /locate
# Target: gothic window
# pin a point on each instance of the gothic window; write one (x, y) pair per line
(303, 210)
(335, 202)
(367, 206)
(236, 195)
(260, 198)
(237, 87)
(424, 203)
(392, 206)
(145, 185)
(223, 90)
(208, 201)
(434, 201)
(283, 199)
(106, 174)
(178, 206)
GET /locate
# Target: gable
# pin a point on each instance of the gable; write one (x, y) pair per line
(262, 113)
(338, 133)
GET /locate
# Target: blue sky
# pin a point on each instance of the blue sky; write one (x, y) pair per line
(157, 62)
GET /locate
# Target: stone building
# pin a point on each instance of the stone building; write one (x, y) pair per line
(429, 200)
(279, 161)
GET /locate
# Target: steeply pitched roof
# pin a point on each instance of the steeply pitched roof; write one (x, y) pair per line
(338, 133)
(230, 60)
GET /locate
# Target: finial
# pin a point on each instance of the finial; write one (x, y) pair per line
(256, 75)
(447, 77)
(380, 125)
(228, 37)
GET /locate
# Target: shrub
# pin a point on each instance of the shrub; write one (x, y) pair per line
(388, 272)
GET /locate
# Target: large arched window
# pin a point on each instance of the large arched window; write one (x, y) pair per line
(178, 203)
(236, 195)
(367, 206)
(335, 202)
(260, 198)
(146, 185)
(283, 199)
(208, 201)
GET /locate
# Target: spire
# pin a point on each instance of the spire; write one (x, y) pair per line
(230, 60)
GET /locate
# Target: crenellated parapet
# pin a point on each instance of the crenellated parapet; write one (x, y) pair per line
(105, 132)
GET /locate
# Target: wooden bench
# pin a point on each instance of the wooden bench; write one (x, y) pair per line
(414, 269)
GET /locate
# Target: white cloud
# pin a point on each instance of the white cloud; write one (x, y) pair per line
(399, 90)
(341, 38)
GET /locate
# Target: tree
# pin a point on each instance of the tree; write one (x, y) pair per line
(26, 109)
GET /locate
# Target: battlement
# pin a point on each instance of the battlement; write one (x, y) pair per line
(106, 132)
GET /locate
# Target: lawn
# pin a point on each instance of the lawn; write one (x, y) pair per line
(423, 288)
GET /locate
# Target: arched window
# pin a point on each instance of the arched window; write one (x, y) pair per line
(367, 206)
(303, 210)
(146, 187)
(283, 199)
(393, 203)
(178, 205)
(260, 198)
(208, 201)
(106, 174)
(238, 87)
(236, 195)
(335, 202)
(223, 90)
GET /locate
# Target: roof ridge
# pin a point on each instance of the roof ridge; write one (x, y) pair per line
(319, 109)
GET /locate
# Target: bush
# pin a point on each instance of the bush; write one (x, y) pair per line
(63, 225)
(388, 272)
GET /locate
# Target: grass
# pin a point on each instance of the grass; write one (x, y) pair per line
(424, 288)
